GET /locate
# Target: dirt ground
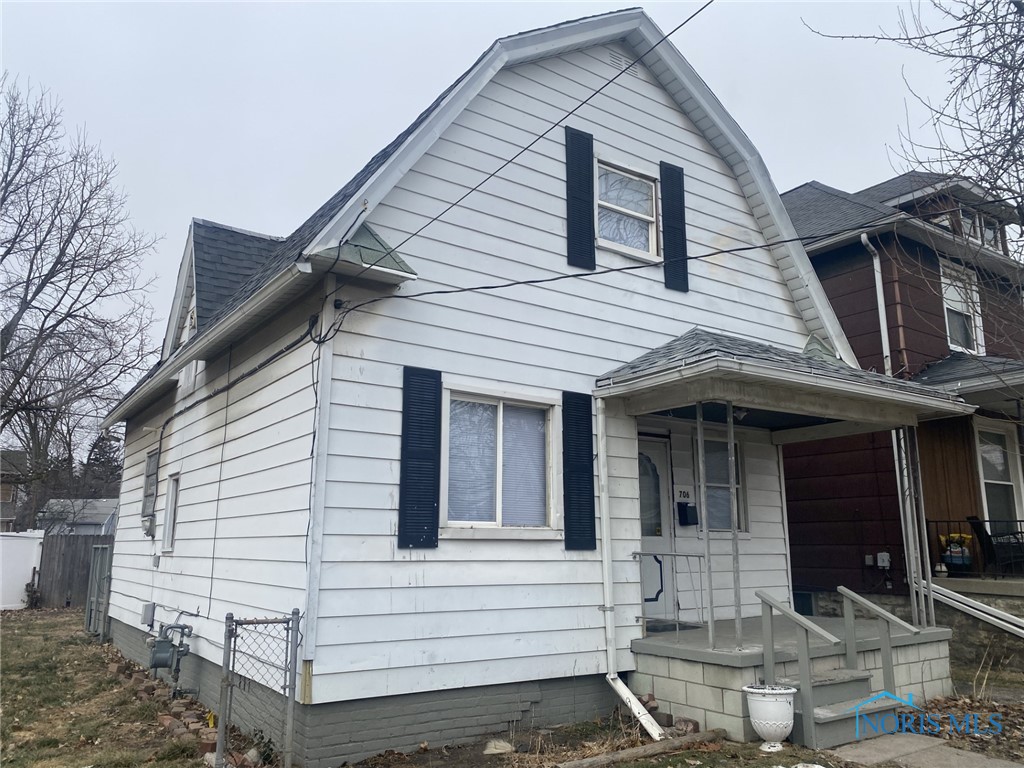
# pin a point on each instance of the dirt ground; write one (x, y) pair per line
(60, 707)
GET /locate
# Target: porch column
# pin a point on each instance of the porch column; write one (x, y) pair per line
(702, 499)
(734, 517)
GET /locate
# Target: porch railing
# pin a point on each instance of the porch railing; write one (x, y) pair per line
(976, 548)
(805, 628)
(697, 590)
(886, 622)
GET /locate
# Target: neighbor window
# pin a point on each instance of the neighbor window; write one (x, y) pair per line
(171, 512)
(626, 211)
(982, 229)
(497, 462)
(997, 454)
(149, 485)
(962, 309)
(716, 463)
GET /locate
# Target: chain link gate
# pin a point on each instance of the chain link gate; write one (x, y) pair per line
(259, 653)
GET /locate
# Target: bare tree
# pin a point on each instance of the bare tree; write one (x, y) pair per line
(74, 311)
(977, 128)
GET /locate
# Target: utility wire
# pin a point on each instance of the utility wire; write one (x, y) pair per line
(611, 270)
(522, 151)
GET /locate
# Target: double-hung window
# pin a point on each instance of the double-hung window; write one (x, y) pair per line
(1000, 477)
(498, 458)
(719, 502)
(627, 212)
(961, 304)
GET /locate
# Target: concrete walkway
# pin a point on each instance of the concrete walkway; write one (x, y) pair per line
(916, 751)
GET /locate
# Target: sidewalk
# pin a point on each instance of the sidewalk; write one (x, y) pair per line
(916, 751)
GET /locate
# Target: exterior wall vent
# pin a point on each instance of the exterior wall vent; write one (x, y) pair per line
(619, 61)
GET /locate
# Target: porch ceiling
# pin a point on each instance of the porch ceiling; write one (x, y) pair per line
(822, 397)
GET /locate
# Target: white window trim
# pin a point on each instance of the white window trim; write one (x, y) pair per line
(654, 255)
(171, 512)
(1008, 430)
(741, 485)
(151, 512)
(950, 275)
(474, 530)
(979, 223)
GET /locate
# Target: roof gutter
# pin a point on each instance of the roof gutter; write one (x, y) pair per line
(218, 335)
(772, 375)
(992, 382)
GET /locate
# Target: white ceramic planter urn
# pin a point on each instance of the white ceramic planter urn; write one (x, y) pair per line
(771, 713)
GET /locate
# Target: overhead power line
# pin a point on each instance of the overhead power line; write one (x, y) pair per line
(526, 148)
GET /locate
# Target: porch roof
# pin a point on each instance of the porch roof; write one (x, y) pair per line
(702, 365)
(961, 373)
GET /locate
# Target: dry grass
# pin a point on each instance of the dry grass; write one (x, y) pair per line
(61, 708)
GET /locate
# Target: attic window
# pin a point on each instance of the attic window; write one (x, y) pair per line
(981, 229)
(626, 212)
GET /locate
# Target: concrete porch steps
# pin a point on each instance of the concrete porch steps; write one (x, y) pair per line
(835, 685)
(838, 694)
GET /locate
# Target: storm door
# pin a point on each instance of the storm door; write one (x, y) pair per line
(656, 529)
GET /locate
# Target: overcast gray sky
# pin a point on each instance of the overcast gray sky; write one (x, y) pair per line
(252, 114)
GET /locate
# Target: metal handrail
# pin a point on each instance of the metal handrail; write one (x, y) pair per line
(796, 618)
(698, 600)
(867, 605)
(885, 624)
(803, 653)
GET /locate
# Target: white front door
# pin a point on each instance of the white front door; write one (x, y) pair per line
(657, 567)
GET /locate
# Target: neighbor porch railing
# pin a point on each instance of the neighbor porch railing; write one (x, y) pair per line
(975, 547)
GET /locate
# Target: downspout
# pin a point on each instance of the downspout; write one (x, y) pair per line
(611, 664)
(899, 457)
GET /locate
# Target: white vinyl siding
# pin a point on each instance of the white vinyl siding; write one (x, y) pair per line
(240, 531)
(489, 608)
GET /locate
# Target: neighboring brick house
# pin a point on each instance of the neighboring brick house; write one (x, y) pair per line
(937, 254)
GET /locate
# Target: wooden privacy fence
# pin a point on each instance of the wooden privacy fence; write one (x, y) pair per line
(64, 570)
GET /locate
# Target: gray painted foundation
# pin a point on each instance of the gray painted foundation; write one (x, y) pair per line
(327, 735)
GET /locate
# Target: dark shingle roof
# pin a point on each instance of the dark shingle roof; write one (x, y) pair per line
(292, 247)
(904, 184)
(698, 345)
(817, 210)
(961, 368)
(225, 258)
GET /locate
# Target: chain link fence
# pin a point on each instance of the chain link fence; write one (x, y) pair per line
(258, 686)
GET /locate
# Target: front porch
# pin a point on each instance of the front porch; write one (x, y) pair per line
(690, 679)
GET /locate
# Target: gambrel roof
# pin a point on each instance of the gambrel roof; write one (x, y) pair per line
(312, 249)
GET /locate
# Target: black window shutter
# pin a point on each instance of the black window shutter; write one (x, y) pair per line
(673, 228)
(579, 198)
(578, 470)
(420, 474)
